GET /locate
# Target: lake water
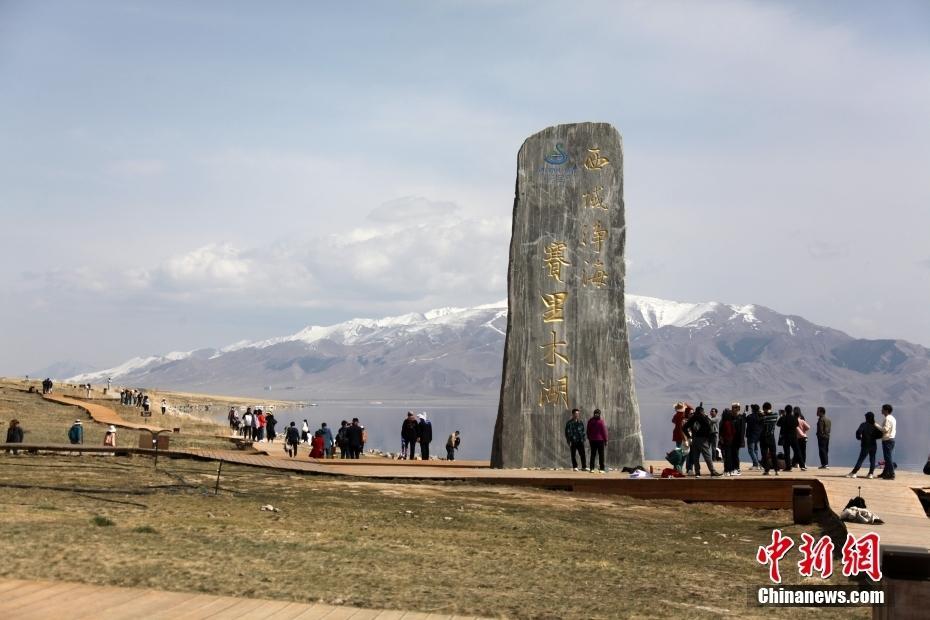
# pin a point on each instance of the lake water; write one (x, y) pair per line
(475, 420)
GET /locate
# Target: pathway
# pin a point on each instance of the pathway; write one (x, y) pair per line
(99, 413)
(27, 600)
(895, 501)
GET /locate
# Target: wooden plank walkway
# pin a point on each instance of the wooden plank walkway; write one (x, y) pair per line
(37, 600)
(895, 501)
(99, 413)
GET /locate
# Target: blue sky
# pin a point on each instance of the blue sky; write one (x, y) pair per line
(176, 175)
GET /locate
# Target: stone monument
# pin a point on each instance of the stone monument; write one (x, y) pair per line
(567, 342)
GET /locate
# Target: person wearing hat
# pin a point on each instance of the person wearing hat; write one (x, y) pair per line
(408, 436)
(76, 433)
(110, 438)
(424, 435)
(597, 439)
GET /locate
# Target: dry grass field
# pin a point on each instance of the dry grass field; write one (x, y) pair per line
(443, 547)
(48, 422)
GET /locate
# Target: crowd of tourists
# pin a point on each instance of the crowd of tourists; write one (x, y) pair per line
(774, 440)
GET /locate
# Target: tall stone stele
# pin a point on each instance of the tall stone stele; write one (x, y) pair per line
(567, 342)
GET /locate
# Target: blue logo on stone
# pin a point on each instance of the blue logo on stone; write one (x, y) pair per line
(558, 156)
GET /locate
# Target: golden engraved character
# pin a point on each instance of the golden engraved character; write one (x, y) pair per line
(555, 307)
(552, 351)
(598, 235)
(594, 199)
(553, 391)
(598, 278)
(555, 259)
(595, 161)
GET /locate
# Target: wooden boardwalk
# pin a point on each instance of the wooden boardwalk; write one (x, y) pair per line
(99, 413)
(38, 600)
(895, 501)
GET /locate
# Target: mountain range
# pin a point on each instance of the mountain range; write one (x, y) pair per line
(699, 351)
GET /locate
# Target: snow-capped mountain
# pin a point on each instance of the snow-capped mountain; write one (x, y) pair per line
(679, 350)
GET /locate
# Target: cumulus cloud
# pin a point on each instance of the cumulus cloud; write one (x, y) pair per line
(423, 255)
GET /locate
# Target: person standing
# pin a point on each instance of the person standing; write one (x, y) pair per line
(889, 430)
(739, 422)
(247, 424)
(145, 403)
(109, 439)
(342, 440)
(767, 439)
(261, 424)
(452, 444)
(354, 439)
(597, 439)
(575, 435)
(76, 433)
(754, 435)
(728, 442)
(327, 440)
(698, 427)
(291, 440)
(789, 434)
(317, 451)
(231, 417)
(270, 423)
(408, 436)
(678, 421)
(424, 435)
(164, 406)
(305, 432)
(823, 437)
(868, 435)
(715, 451)
(255, 425)
(803, 427)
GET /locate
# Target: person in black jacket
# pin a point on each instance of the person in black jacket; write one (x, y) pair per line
(789, 433)
(354, 439)
(739, 424)
(408, 436)
(424, 435)
(291, 440)
(699, 430)
(868, 435)
(14, 434)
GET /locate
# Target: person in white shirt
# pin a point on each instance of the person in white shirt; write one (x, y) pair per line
(889, 429)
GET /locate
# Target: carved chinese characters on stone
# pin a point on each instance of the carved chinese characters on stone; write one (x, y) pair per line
(566, 342)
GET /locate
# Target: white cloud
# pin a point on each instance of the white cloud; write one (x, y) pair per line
(425, 257)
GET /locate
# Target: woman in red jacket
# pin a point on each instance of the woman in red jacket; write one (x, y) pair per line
(316, 446)
(597, 439)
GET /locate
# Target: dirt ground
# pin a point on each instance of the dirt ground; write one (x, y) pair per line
(434, 547)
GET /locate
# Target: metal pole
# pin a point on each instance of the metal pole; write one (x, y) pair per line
(216, 489)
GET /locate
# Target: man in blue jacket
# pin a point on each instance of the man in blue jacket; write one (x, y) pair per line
(76, 433)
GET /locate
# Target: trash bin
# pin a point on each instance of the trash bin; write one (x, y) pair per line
(146, 438)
